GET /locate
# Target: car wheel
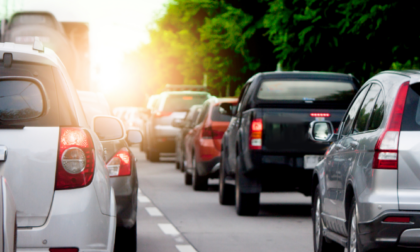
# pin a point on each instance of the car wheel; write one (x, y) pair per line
(154, 156)
(247, 204)
(320, 242)
(177, 165)
(353, 245)
(226, 191)
(200, 183)
(182, 164)
(187, 178)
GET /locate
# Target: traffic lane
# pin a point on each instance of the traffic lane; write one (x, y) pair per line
(283, 224)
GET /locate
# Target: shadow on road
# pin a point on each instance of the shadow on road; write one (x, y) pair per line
(290, 210)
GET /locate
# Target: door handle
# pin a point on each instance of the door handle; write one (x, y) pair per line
(354, 144)
(3, 153)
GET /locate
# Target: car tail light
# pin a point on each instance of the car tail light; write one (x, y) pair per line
(64, 250)
(209, 133)
(162, 114)
(397, 219)
(320, 115)
(120, 164)
(76, 159)
(218, 134)
(255, 136)
(386, 149)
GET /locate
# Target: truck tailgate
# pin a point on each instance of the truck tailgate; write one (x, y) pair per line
(286, 130)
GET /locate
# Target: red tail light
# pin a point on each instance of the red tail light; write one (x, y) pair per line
(255, 136)
(162, 114)
(120, 164)
(386, 149)
(209, 133)
(397, 219)
(76, 159)
(320, 115)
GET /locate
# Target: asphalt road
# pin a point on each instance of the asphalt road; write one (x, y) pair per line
(172, 217)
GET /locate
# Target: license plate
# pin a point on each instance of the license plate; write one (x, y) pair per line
(310, 161)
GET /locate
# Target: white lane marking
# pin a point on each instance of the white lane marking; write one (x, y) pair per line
(168, 229)
(153, 211)
(143, 199)
(185, 248)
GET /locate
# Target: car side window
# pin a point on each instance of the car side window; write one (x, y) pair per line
(241, 97)
(366, 109)
(378, 112)
(347, 127)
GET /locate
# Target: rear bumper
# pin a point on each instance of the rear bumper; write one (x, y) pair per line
(379, 235)
(75, 221)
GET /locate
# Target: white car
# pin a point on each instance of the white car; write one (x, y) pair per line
(55, 167)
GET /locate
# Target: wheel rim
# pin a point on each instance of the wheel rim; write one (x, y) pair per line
(353, 237)
(317, 223)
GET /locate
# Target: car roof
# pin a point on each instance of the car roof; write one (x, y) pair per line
(25, 53)
(300, 73)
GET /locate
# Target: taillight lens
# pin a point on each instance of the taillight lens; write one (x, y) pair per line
(162, 114)
(393, 219)
(64, 250)
(209, 133)
(120, 164)
(76, 159)
(255, 136)
(386, 149)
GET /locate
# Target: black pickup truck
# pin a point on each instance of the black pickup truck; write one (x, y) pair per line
(266, 148)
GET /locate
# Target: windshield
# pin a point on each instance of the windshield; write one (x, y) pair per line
(183, 102)
(308, 91)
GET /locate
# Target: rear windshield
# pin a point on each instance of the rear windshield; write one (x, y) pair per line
(306, 90)
(31, 19)
(183, 102)
(216, 116)
(21, 102)
(411, 116)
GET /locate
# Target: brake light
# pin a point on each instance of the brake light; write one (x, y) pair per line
(119, 164)
(255, 136)
(76, 159)
(162, 113)
(397, 219)
(320, 115)
(207, 133)
(386, 149)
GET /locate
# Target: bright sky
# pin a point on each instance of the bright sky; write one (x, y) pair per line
(116, 26)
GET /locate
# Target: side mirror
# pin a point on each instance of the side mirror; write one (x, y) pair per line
(321, 131)
(178, 123)
(108, 128)
(227, 109)
(134, 136)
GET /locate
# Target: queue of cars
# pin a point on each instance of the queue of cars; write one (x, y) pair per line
(355, 152)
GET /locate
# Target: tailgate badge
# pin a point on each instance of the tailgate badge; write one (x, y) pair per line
(3, 153)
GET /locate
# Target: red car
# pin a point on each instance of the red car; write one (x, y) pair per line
(203, 143)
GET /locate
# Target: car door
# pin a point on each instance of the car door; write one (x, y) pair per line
(233, 129)
(336, 162)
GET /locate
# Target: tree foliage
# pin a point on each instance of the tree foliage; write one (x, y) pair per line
(230, 40)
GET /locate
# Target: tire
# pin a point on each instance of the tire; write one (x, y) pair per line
(353, 245)
(320, 242)
(126, 239)
(177, 165)
(200, 183)
(187, 178)
(226, 191)
(182, 164)
(247, 204)
(154, 156)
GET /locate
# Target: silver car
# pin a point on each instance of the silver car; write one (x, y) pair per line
(366, 190)
(159, 131)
